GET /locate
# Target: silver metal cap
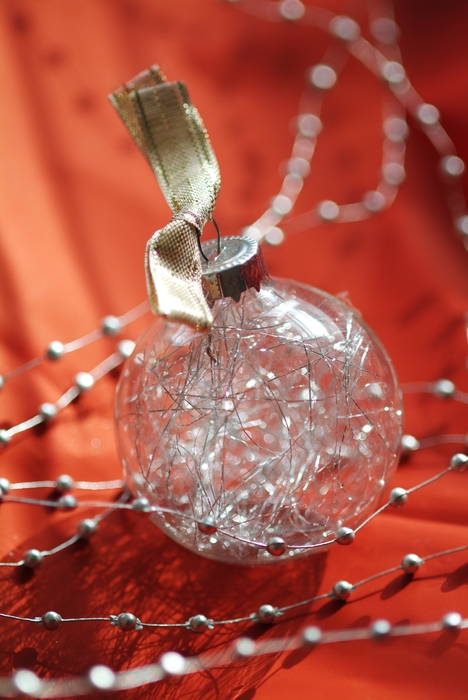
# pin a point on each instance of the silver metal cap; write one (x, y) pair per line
(238, 266)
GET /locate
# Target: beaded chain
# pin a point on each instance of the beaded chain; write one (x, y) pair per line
(384, 61)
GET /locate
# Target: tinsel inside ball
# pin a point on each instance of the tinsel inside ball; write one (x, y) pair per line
(284, 421)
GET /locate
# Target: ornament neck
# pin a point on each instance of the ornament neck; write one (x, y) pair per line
(238, 266)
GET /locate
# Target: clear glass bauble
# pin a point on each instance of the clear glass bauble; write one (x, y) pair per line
(283, 421)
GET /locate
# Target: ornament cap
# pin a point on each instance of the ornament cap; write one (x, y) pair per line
(239, 265)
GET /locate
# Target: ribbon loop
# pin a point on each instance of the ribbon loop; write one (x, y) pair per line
(169, 131)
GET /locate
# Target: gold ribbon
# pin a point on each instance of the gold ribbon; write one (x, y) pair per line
(169, 131)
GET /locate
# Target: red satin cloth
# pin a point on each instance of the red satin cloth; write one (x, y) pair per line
(77, 204)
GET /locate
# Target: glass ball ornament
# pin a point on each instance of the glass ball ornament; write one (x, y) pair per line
(281, 424)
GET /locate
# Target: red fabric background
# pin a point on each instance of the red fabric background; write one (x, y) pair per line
(77, 204)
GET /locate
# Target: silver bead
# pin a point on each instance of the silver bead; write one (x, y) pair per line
(328, 210)
(67, 502)
(393, 72)
(84, 381)
(51, 620)
(409, 443)
(462, 224)
(344, 28)
(303, 148)
(299, 166)
(322, 77)
(395, 129)
(452, 166)
(55, 350)
(309, 125)
(207, 525)
(4, 486)
(444, 388)
(276, 546)
(451, 621)
(2, 382)
(101, 678)
(459, 462)
(341, 590)
(398, 497)
(427, 114)
(380, 629)
(312, 636)
(345, 536)
(411, 563)
(266, 614)
(393, 173)
(141, 505)
(64, 483)
(385, 30)
(292, 10)
(374, 201)
(86, 528)
(125, 348)
(26, 683)
(33, 558)
(199, 623)
(172, 663)
(48, 411)
(127, 622)
(376, 390)
(111, 325)
(281, 205)
(5, 437)
(244, 648)
(274, 236)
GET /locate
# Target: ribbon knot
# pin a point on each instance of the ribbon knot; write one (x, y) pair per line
(169, 131)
